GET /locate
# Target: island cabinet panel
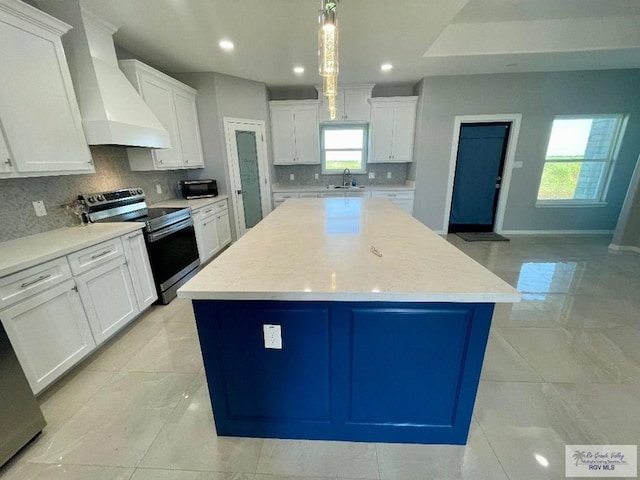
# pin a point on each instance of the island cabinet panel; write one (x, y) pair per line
(358, 371)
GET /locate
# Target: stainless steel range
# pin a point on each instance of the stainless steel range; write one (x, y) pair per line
(168, 232)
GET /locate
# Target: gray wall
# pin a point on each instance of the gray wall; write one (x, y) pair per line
(538, 97)
(18, 218)
(627, 232)
(222, 96)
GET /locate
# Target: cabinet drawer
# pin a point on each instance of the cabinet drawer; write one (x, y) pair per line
(91, 257)
(33, 280)
(308, 194)
(281, 197)
(207, 212)
(393, 195)
(220, 206)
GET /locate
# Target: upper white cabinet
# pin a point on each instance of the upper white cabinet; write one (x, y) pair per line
(174, 103)
(352, 104)
(295, 132)
(40, 120)
(393, 121)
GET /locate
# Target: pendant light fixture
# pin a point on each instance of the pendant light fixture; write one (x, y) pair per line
(328, 53)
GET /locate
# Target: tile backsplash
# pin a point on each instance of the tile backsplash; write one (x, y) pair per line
(17, 215)
(304, 175)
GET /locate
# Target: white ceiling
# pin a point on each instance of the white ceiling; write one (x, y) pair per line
(419, 37)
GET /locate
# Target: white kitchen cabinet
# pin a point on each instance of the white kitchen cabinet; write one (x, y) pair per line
(174, 103)
(279, 197)
(49, 333)
(213, 230)
(295, 132)
(39, 111)
(108, 297)
(400, 198)
(392, 129)
(352, 104)
(224, 228)
(6, 159)
(206, 227)
(135, 251)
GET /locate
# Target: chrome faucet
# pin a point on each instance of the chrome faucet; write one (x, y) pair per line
(346, 178)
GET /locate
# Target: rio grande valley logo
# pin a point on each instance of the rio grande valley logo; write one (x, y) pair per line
(601, 461)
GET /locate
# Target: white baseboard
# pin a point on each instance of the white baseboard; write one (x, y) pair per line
(624, 248)
(555, 232)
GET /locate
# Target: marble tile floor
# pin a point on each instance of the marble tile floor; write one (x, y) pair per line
(562, 367)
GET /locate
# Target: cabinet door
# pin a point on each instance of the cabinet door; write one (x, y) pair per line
(49, 332)
(403, 131)
(108, 298)
(6, 159)
(356, 105)
(381, 132)
(307, 134)
(158, 95)
(210, 237)
(324, 107)
(282, 132)
(135, 252)
(224, 228)
(189, 129)
(38, 106)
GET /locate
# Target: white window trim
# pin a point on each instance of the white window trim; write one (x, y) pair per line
(340, 126)
(609, 162)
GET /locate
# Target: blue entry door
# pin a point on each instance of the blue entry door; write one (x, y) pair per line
(481, 153)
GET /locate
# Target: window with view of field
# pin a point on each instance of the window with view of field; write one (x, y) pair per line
(343, 146)
(579, 159)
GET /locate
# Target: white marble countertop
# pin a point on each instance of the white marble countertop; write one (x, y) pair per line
(320, 249)
(194, 204)
(277, 188)
(25, 252)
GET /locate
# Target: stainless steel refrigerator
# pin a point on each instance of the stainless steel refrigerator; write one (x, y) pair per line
(20, 415)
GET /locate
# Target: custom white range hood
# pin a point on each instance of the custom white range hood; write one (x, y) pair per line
(112, 111)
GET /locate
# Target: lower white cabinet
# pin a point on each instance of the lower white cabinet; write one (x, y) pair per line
(224, 228)
(206, 233)
(401, 199)
(213, 231)
(135, 252)
(108, 298)
(49, 332)
(54, 320)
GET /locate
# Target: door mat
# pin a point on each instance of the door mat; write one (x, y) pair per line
(482, 237)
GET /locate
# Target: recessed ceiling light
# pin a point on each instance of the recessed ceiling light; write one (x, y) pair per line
(298, 70)
(385, 67)
(226, 44)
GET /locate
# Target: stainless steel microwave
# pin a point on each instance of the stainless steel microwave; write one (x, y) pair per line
(191, 189)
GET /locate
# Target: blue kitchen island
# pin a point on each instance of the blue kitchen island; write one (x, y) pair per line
(344, 319)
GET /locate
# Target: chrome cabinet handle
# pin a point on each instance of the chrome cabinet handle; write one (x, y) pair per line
(101, 254)
(131, 237)
(39, 279)
(9, 162)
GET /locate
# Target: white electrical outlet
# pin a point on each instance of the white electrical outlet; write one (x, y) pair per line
(372, 175)
(272, 336)
(388, 174)
(292, 177)
(158, 188)
(40, 209)
(316, 176)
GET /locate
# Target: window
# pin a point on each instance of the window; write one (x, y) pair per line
(343, 146)
(579, 160)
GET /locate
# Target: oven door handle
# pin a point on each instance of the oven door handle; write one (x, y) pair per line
(154, 237)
